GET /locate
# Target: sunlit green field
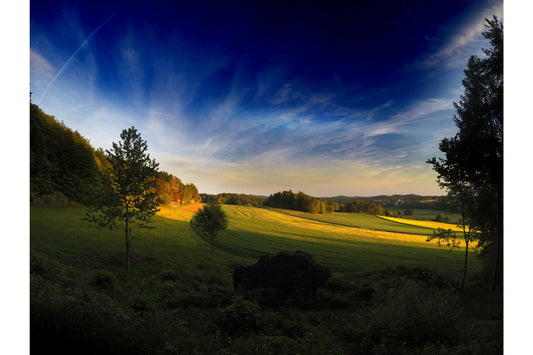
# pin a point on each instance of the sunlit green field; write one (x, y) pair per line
(179, 298)
(426, 214)
(252, 232)
(364, 221)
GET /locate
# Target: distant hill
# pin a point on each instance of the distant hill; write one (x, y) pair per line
(62, 163)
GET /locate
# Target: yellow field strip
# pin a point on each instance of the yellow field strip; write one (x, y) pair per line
(434, 225)
(427, 224)
(286, 226)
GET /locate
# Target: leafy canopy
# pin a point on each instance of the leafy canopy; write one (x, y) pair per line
(211, 219)
(472, 167)
(129, 192)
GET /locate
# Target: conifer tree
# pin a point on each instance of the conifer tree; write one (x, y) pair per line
(473, 159)
(129, 195)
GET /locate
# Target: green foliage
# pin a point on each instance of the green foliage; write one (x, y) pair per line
(181, 301)
(168, 184)
(56, 200)
(300, 202)
(442, 218)
(472, 167)
(165, 199)
(128, 196)
(445, 236)
(103, 280)
(211, 219)
(407, 317)
(61, 161)
(234, 199)
(240, 316)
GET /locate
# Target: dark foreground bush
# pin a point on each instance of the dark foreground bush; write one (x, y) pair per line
(295, 273)
(79, 322)
(103, 280)
(240, 316)
(407, 318)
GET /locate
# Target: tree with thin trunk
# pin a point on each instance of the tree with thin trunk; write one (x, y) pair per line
(128, 196)
(473, 158)
(461, 201)
(211, 219)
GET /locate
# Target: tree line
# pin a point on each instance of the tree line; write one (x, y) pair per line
(305, 203)
(233, 199)
(171, 189)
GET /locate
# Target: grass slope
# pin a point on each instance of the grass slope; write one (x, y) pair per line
(179, 299)
(363, 221)
(253, 232)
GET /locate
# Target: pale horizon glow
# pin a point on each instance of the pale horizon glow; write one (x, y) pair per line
(235, 102)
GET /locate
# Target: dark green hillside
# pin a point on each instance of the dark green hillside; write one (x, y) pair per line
(62, 162)
(64, 167)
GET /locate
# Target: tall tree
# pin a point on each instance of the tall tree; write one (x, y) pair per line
(211, 219)
(129, 191)
(473, 159)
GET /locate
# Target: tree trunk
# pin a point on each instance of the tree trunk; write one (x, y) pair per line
(212, 243)
(499, 241)
(126, 233)
(467, 240)
(497, 262)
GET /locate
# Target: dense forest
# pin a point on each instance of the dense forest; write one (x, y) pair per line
(66, 170)
(305, 203)
(234, 199)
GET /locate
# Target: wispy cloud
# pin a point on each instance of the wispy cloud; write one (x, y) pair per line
(466, 42)
(39, 66)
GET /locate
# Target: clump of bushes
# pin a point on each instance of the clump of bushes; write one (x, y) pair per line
(103, 280)
(295, 273)
(240, 316)
(56, 200)
(408, 317)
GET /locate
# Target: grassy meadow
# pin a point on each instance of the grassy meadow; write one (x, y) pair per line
(179, 298)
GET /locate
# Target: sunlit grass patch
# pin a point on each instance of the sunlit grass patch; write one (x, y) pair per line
(426, 224)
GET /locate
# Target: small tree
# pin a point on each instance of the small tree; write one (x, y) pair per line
(211, 219)
(460, 197)
(128, 195)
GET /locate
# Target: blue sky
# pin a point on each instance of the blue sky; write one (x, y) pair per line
(329, 99)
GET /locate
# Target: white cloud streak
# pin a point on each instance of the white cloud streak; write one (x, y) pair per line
(459, 47)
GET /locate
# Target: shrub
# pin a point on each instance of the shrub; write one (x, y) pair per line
(165, 199)
(240, 316)
(103, 280)
(56, 200)
(295, 273)
(169, 275)
(408, 317)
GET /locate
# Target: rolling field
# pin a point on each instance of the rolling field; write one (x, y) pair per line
(424, 224)
(254, 231)
(179, 298)
(61, 234)
(363, 221)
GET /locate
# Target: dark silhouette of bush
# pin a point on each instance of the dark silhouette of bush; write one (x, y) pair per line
(240, 316)
(294, 273)
(103, 280)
